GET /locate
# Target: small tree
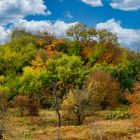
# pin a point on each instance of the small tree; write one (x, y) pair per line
(77, 105)
(65, 72)
(103, 90)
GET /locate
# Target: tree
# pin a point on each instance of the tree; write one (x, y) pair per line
(106, 36)
(77, 105)
(127, 73)
(65, 72)
(17, 53)
(67, 69)
(105, 53)
(81, 32)
(75, 48)
(76, 30)
(103, 90)
(30, 85)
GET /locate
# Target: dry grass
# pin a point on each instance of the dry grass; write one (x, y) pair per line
(44, 128)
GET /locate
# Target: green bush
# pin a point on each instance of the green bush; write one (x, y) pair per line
(118, 114)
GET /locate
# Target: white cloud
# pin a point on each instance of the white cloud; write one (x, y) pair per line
(4, 35)
(126, 5)
(93, 3)
(127, 37)
(58, 28)
(13, 10)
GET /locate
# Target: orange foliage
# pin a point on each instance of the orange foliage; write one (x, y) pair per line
(86, 48)
(111, 55)
(135, 104)
(52, 48)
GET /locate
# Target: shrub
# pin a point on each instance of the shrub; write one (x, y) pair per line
(22, 103)
(34, 106)
(103, 90)
(76, 106)
(135, 104)
(117, 114)
(27, 105)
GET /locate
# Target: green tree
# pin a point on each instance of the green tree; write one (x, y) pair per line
(17, 53)
(65, 72)
(81, 32)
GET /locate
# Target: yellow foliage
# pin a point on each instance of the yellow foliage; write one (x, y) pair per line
(38, 63)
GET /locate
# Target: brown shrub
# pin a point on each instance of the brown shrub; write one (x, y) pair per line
(34, 107)
(22, 103)
(135, 104)
(27, 105)
(103, 89)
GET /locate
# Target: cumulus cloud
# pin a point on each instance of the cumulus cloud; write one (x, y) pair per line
(126, 5)
(93, 3)
(58, 28)
(13, 10)
(127, 37)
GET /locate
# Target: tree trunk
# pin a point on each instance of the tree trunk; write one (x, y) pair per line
(57, 108)
(59, 117)
(79, 121)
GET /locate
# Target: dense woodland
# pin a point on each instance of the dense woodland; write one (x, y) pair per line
(76, 76)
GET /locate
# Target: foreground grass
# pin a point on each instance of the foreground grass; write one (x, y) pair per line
(44, 128)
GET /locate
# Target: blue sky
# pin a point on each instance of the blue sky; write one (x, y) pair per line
(89, 15)
(121, 17)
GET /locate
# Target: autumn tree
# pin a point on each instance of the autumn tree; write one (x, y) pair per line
(103, 89)
(76, 105)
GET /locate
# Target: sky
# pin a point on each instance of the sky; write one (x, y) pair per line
(121, 17)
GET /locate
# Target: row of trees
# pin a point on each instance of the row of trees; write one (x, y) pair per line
(84, 72)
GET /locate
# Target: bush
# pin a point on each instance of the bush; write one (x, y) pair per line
(76, 106)
(103, 90)
(135, 104)
(34, 106)
(27, 105)
(117, 114)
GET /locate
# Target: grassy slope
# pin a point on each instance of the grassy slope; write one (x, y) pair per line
(44, 128)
